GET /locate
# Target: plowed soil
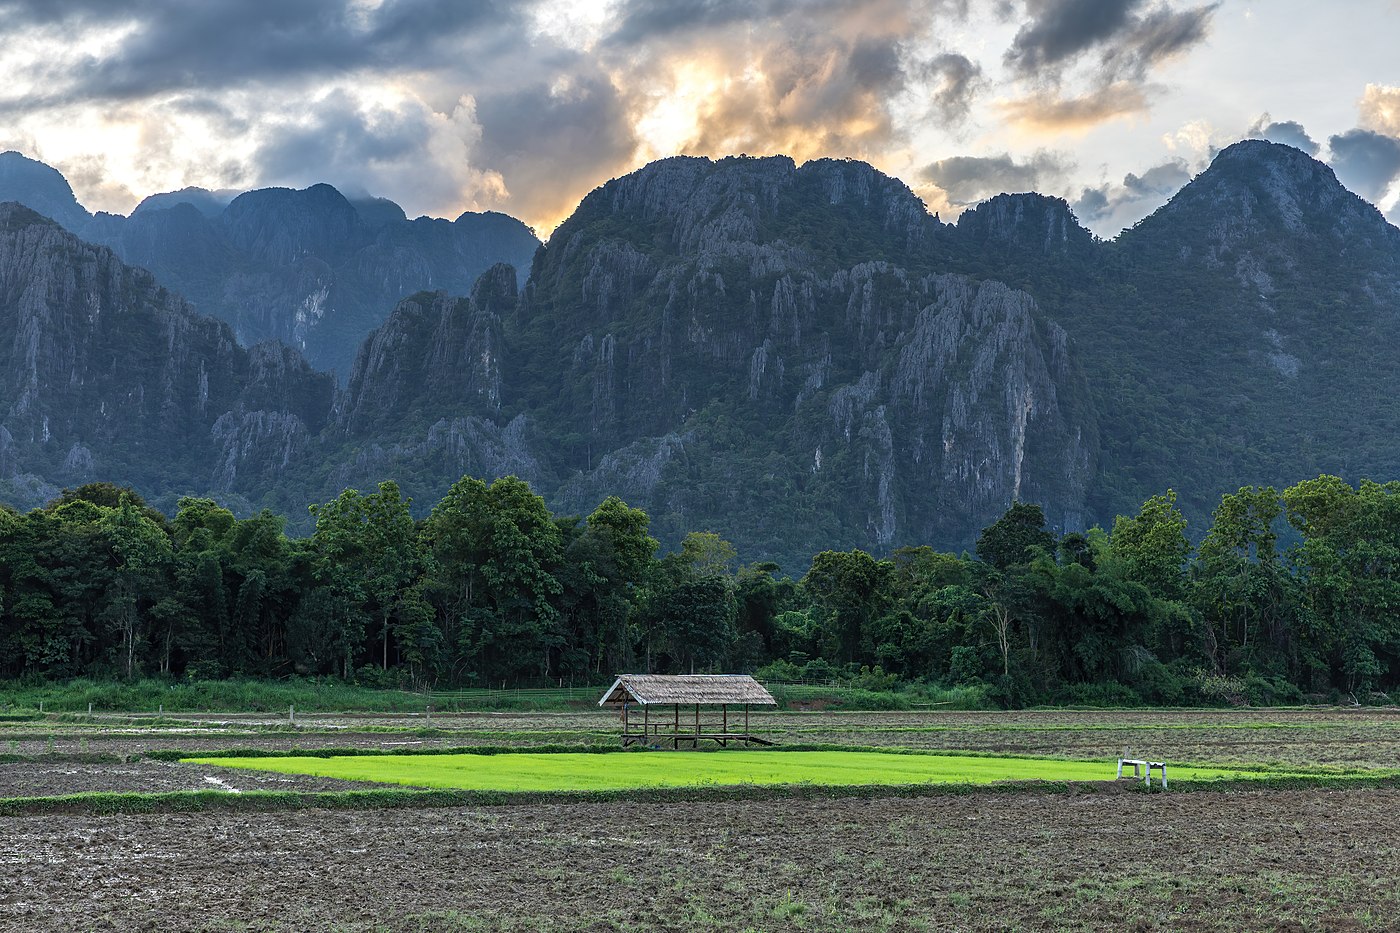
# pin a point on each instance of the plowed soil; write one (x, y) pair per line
(55, 778)
(1288, 860)
(1361, 736)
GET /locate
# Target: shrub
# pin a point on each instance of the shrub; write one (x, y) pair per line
(1107, 694)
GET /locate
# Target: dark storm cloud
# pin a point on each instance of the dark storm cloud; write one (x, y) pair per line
(1162, 34)
(956, 80)
(338, 134)
(175, 45)
(1119, 42)
(1061, 29)
(969, 179)
(1165, 179)
(1131, 42)
(1365, 162)
(528, 133)
(642, 21)
(1288, 132)
(1091, 204)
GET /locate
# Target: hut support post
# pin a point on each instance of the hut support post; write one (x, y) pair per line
(746, 722)
(646, 724)
(724, 728)
(626, 735)
(696, 743)
(676, 733)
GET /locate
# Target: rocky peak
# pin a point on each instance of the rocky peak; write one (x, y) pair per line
(1032, 224)
(41, 188)
(209, 203)
(377, 212)
(1256, 194)
(282, 225)
(497, 290)
(436, 356)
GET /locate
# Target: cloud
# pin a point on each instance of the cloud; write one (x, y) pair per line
(813, 78)
(1287, 132)
(1365, 162)
(529, 132)
(1158, 37)
(965, 180)
(170, 45)
(1107, 208)
(408, 98)
(1060, 30)
(1085, 62)
(375, 146)
(1380, 109)
(1047, 111)
(1130, 43)
(955, 80)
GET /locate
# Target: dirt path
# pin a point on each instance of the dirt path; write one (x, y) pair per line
(1243, 860)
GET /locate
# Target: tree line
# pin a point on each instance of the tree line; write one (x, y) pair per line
(1288, 595)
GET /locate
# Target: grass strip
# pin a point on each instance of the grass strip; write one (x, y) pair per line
(107, 804)
(549, 772)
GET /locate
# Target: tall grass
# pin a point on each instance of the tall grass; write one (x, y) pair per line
(266, 696)
(205, 696)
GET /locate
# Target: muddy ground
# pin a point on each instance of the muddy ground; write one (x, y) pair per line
(46, 778)
(1360, 737)
(1322, 860)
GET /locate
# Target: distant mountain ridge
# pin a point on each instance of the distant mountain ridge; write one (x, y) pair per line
(310, 268)
(796, 357)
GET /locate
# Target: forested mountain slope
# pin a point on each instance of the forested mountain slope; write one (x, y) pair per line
(1244, 333)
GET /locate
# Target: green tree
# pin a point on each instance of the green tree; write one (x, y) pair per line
(851, 589)
(495, 550)
(1015, 538)
(1152, 548)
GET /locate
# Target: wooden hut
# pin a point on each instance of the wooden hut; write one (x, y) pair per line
(660, 709)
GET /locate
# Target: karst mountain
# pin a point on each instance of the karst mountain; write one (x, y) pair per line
(796, 357)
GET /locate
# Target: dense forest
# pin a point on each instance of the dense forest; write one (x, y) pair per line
(1289, 596)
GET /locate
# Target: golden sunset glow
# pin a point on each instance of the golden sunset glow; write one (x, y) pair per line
(527, 113)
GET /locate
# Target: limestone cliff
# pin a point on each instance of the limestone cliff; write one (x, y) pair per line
(108, 375)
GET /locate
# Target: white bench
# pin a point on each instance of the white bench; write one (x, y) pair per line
(1142, 768)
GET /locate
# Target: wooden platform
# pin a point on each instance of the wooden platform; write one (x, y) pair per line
(676, 739)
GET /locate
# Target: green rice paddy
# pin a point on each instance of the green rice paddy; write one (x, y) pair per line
(625, 771)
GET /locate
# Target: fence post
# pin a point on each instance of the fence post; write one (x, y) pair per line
(292, 714)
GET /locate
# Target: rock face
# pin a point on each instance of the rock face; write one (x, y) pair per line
(107, 374)
(737, 363)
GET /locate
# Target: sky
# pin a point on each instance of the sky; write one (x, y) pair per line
(524, 107)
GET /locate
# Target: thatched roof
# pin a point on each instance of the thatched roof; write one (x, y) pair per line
(704, 689)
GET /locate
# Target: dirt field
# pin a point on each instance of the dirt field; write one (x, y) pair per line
(1205, 861)
(1360, 737)
(1243, 860)
(51, 778)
